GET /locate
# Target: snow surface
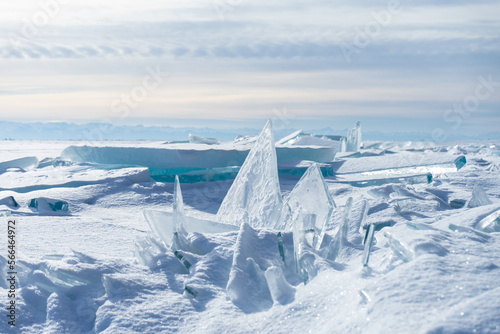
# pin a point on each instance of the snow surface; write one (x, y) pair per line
(430, 270)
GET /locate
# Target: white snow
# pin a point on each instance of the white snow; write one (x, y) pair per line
(432, 269)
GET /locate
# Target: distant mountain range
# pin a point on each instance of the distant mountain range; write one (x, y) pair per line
(104, 131)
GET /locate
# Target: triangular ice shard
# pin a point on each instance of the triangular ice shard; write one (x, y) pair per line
(479, 198)
(312, 197)
(255, 195)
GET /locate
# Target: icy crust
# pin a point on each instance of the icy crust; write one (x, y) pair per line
(27, 163)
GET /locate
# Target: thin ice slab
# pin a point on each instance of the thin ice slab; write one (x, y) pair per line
(479, 197)
(255, 195)
(26, 163)
(361, 181)
(162, 225)
(400, 164)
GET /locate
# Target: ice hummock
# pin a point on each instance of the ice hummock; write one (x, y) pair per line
(490, 223)
(202, 140)
(255, 195)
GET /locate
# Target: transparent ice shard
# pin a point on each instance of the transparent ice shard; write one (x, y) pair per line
(255, 195)
(63, 277)
(281, 291)
(178, 214)
(490, 223)
(401, 251)
(147, 251)
(368, 244)
(479, 198)
(202, 140)
(340, 238)
(27, 163)
(354, 138)
(361, 181)
(43, 204)
(311, 196)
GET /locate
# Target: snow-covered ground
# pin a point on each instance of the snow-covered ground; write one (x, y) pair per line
(78, 270)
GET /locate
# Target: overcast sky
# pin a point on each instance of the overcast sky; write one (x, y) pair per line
(395, 65)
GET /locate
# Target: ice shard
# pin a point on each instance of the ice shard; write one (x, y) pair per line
(490, 223)
(368, 244)
(162, 225)
(401, 251)
(311, 196)
(281, 247)
(43, 205)
(178, 214)
(255, 195)
(343, 145)
(340, 238)
(354, 139)
(479, 197)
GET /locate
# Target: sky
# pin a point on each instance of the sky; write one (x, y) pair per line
(394, 65)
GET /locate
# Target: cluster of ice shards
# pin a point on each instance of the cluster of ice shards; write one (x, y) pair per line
(354, 139)
(255, 195)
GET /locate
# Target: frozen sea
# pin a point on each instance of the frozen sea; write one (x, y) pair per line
(431, 271)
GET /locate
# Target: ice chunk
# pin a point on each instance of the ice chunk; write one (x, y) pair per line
(490, 223)
(178, 214)
(401, 251)
(10, 202)
(368, 244)
(457, 203)
(44, 205)
(147, 251)
(255, 195)
(354, 138)
(478, 198)
(23, 163)
(281, 291)
(312, 197)
(340, 238)
(202, 140)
